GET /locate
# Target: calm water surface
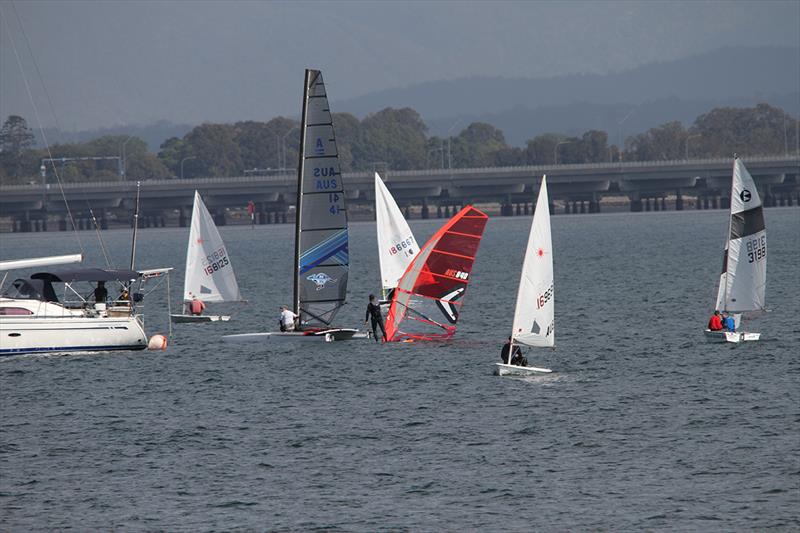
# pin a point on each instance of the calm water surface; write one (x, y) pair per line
(643, 425)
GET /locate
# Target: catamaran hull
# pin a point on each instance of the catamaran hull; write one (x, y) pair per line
(188, 319)
(502, 369)
(327, 335)
(65, 334)
(731, 336)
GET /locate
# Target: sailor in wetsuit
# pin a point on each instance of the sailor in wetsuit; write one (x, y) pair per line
(517, 359)
(374, 312)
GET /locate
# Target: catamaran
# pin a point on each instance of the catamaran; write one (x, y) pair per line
(427, 301)
(321, 258)
(396, 244)
(209, 272)
(534, 315)
(743, 281)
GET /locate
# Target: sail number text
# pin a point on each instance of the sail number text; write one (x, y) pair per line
(403, 247)
(545, 297)
(215, 261)
(756, 249)
(333, 200)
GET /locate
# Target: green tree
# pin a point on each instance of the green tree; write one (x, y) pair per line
(392, 136)
(15, 140)
(215, 150)
(476, 144)
(667, 141)
(760, 130)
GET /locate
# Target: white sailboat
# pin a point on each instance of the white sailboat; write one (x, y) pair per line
(35, 319)
(396, 244)
(321, 251)
(534, 315)
(209, 272)
(743, 281)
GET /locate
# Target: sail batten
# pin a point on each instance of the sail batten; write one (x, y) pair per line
(427, 300)
(534, 314)
(209, 271)
(322, 259)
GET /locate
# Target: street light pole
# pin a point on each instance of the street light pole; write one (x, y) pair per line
(449, 158)
(686, 155)
(283, 144)
(184, 160)
(555, 150)
(123, 161)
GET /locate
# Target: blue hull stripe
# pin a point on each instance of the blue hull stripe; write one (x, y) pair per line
(17, 351)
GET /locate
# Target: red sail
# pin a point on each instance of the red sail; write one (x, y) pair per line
(427, 301)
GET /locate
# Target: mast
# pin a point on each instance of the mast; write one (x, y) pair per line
(299, 201)
(728, 236)
(135, 225)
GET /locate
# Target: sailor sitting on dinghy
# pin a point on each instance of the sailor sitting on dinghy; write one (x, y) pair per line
(196, 306)
(517, 359)
(715, 323)
(728, 322)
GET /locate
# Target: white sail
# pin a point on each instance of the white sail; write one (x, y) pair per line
(743, 280)
(534, 317)
(396, 244)
(209, 271)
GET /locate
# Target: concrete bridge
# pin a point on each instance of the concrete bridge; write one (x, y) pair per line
(572, 188)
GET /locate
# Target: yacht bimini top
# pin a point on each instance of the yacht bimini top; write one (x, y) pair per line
(86, 274)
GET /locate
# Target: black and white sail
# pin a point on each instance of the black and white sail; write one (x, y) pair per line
(321, 240)
(743, 281)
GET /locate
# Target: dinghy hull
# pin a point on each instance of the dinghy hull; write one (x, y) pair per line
(326, 335)
(189, 319)
(501, 369)
(731, 336)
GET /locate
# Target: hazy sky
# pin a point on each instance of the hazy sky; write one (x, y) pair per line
(135, 62)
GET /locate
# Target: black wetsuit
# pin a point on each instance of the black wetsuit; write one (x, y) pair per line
(516, 357)
(374, 313)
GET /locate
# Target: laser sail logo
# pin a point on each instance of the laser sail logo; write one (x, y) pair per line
(320, 279)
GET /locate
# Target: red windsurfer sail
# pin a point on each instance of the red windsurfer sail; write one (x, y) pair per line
(426, 303)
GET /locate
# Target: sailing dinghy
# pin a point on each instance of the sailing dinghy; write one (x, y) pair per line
(534, 316)
(209, 271)
(426, 303)
(396, 244)
(321, 259)
(743, 281)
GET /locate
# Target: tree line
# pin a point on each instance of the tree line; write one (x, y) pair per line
(391, 139)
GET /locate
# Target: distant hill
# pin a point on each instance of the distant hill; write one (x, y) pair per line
(153, 134)
(675, 90)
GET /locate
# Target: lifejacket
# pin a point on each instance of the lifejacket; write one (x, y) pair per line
(196, 307)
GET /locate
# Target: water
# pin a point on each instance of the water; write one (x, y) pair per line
(643, 425)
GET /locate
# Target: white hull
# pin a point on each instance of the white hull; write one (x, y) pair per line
(502, 369)
(328, 335)
(21, 335)
(181, 319)
(729, 336)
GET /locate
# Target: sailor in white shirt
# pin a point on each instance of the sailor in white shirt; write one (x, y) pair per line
(287, 319)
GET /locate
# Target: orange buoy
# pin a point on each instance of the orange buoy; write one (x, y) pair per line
(157, 342)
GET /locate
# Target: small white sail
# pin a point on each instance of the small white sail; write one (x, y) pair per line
(396, 244)
(534, 317)
(209, 271)
(744, 271)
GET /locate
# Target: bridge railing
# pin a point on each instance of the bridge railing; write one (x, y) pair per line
(447, 172)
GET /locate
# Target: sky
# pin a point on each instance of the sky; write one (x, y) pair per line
(107, 63)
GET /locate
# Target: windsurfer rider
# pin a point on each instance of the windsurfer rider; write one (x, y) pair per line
(374, 312)
(517, 359)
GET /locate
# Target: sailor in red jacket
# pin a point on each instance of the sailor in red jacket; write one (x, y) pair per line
(715, 323)
(196, 306)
